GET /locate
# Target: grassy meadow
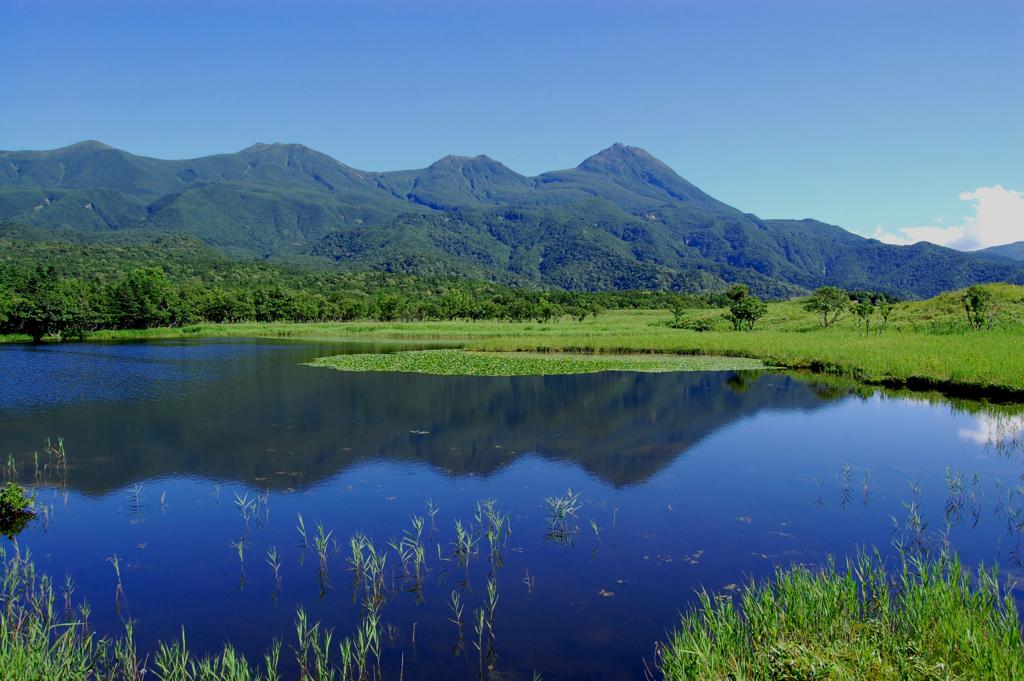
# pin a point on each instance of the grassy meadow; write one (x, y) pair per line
(926, 344)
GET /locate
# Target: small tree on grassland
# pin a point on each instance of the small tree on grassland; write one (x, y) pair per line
(885, 309)
(863, 311)
(678, 315)
(829, 302)
(745, 309)
(981, 312)
(737, 292)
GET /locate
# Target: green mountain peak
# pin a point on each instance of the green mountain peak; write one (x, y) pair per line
(621, 219)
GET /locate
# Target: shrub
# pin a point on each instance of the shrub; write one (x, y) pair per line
(700, 324)
(15, 509)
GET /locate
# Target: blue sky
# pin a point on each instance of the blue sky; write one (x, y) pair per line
(862, 113)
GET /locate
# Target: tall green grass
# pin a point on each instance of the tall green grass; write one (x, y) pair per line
(45, 638)
(930, 620)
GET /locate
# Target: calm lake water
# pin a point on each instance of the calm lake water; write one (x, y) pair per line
(695, 480)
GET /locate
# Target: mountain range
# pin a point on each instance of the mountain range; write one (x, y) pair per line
(620, 219)
(1014, 251)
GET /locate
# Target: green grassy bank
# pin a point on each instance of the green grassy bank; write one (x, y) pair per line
(928, 621)
(926, 344)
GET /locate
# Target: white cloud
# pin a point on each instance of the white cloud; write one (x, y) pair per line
(998, 219)
(995, 429)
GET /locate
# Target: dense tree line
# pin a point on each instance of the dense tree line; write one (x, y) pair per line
(45, 304)
(70, 292)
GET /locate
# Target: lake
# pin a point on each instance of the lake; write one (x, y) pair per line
(181, 455)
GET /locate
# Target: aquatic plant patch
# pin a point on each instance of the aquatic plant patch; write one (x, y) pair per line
(463, 363)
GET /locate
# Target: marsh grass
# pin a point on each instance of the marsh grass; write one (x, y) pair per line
(975, 496)
(119, 595)
(274, 561)
(49, 469)
(39, 640)
(928, 620)
(239, 547)
(432, 510)
(462, 363)
(321, 540)
(300, 527)
(248, 509)
(496, 526)
(465, 545)
(562, 516)
(136, 502)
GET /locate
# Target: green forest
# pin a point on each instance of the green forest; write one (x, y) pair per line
(67, 290)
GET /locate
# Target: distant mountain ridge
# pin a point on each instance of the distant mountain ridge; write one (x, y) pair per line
(1014, 251)
(620, 219)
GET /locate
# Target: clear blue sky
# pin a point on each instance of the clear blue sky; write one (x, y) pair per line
(861, 113)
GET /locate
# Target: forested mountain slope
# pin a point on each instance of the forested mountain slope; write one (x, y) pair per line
(621, 219)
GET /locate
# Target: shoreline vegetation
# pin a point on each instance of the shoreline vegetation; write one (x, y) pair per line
(926, 621)
(922, 345)
(929, 619)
